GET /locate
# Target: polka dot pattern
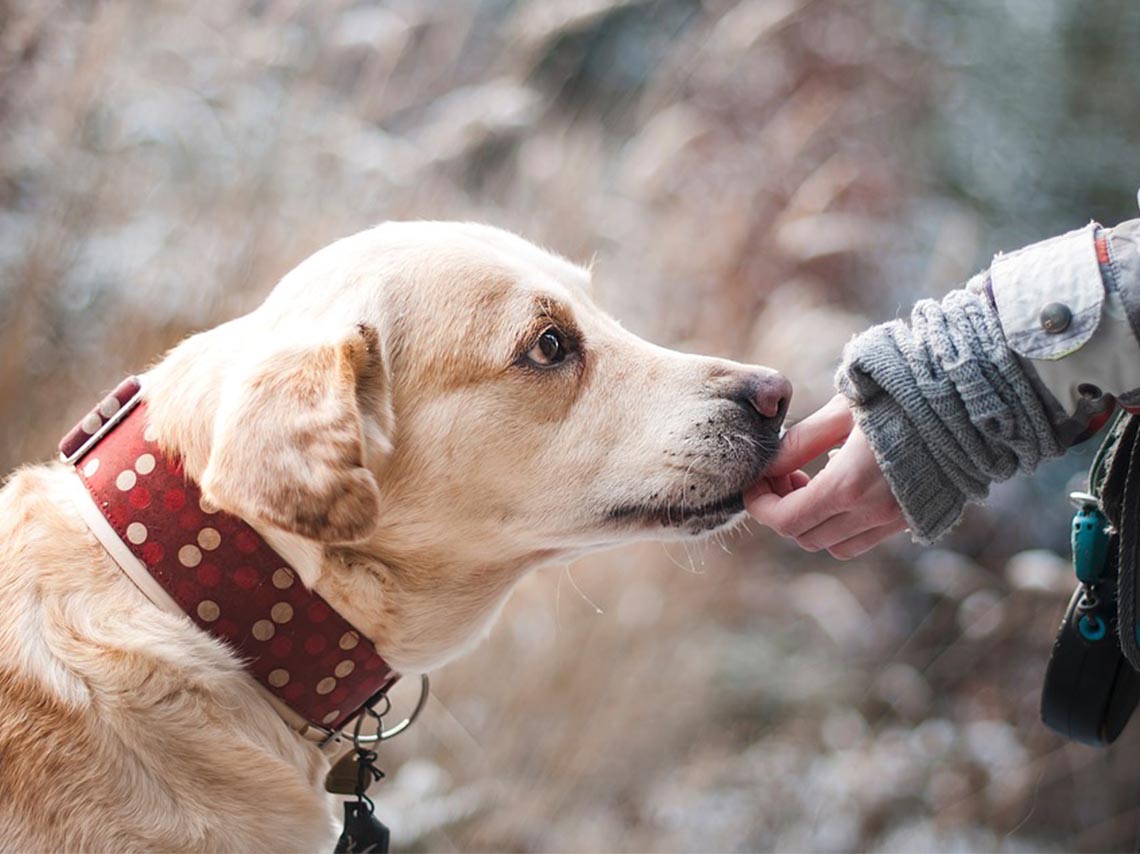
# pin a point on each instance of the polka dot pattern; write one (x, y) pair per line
(282, 612)
(227, 579)
(94, 420)
(208, 610)
(209, 539)
(108, 406)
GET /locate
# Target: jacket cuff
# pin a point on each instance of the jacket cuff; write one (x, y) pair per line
(1049, 296)
(1069, 308)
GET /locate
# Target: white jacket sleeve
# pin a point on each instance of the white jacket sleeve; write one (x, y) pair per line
(1070, 308)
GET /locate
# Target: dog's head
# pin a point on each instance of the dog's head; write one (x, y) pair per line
(445, 401)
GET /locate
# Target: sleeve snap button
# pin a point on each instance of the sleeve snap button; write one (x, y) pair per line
(1056, 317)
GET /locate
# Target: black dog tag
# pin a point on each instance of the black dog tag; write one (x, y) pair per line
(363, 832)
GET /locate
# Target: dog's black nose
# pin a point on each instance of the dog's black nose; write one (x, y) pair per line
(769, 394)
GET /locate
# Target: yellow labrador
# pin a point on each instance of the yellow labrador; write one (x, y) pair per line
(417, 415)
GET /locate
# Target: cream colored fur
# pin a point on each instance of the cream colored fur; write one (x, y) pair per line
(379, 421)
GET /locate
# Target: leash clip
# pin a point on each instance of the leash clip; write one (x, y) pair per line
(359, 738)
(1084, 501)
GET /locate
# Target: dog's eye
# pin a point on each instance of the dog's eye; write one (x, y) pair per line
(550, 349)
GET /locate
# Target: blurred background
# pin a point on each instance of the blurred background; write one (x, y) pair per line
(757, 180)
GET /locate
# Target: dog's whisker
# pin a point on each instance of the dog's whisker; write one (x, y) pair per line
(587, 599)
(558, 602)
(693, 558)
(690, 569)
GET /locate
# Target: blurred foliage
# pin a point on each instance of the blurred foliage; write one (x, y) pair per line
(756, 179)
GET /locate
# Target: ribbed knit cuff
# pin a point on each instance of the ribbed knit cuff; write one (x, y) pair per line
(930, 501)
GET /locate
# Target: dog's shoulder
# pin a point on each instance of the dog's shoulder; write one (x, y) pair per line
(106, 699)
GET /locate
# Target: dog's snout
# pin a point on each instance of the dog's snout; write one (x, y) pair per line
(769, 394)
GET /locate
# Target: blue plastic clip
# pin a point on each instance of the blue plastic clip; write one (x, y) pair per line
(1089, 538)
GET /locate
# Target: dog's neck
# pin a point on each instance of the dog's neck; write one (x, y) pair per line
(399, 607)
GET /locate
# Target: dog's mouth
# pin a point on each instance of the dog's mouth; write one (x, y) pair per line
(710, 494)
(696, 518)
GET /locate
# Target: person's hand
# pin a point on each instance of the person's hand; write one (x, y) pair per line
(847, 508)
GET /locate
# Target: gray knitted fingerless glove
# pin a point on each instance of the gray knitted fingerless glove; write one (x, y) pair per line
(946, 406)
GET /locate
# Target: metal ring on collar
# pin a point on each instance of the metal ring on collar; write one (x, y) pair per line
(382, 734)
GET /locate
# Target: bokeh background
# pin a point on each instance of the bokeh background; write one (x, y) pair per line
(756, 179)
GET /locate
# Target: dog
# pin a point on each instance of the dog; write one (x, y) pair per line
(415, 417)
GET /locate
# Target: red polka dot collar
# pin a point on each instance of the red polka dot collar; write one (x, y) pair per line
(218, 571)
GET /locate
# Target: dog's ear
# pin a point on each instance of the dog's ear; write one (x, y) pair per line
(293, 434)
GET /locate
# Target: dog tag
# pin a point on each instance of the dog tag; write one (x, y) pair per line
(363, 832)
(344, 777)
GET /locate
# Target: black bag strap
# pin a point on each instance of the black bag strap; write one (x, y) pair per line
(1118, 480)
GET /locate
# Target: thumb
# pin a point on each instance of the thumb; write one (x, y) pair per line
(819, 432)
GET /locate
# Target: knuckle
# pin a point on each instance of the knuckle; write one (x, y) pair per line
(763, 514)
(807, 544)
(784, 526)
(842, 552)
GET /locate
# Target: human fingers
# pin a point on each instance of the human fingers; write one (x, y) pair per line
(780, 486)
(840, 527)
(799, 511)
(791, 482)
(866, 541)
(850, 524)
(823, 429)
(851, 482)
